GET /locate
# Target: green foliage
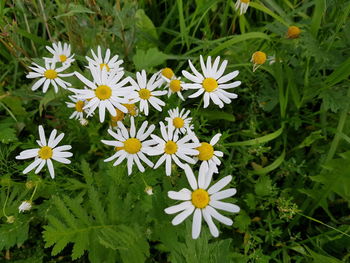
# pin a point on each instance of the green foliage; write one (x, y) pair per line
(285, 139)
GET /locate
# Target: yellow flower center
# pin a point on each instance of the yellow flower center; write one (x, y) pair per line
(79, 106)
(293, 32)
(168, 73)
(259, 58)
(132, 109)
(144, 94)
(200, 198)
(178, 122)
(104, 65)
(45, 152)
(103, 92)
(50, 74)
(245, 1)
(210, 84)
(63, 58)
(175, 85)
(132, 145)
(170, 147)
(120, 116)
(206, 151)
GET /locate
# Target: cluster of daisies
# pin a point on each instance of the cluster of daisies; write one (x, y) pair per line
(107, 89)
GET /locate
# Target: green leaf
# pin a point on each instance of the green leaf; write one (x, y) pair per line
(145, 59)
(236, 39)
(146, 27)
(314, 136)
(263, 186)
(342, 72)
(264, 9)
(320, 9)
(217, 115)
(259, 140)
(75, 9)
(272, 166)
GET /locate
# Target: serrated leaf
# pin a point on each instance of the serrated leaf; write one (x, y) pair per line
(145, 59)
(263, 186)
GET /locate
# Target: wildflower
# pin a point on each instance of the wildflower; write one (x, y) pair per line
(202, 202)
(208, 156)
(144, 92)
(60, 53)
(293, 32)
(180, 120)
(46, 153)
(242, 5)
(78, 105)
(107, 91)
(25, 206)
(174, 85)
(131, 145)
(167, 73)
(258, 58)
(10, 219)
(211, 82)
(107, 63)
(172, 147)
(49, 75)
(83, 122)
(132, 109)
(149, 190)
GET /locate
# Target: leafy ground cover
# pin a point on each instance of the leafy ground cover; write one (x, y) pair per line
(285, 139)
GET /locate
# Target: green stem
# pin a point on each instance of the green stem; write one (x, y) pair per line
(36, 186)
(7, 197)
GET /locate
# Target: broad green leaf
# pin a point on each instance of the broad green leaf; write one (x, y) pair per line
(266, 10)
(340, 73)
(145, 59)
(263, 186)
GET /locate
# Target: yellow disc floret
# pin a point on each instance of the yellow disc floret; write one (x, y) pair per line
(132, 109)
(119, 117)
(259, 58)
(104, 65)
(210, 84)
(178, 122)
(206, 151)
(175, 85)
(168, 73)
(200, 198)
(50, 74)
(45, 152)
(79, 106)
(144, 94)
(132, 145)
(103, 92)
(63, 58)
(245, 1)
(293, 32)
(170, 147)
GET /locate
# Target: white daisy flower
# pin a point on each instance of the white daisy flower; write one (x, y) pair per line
(25, 206)
(60, 53)
(49, 75)
(174, 85)
(242, 5)
(202, 202)
(108, 63)
(78, 114)
(166, 74)
(131, 145)
(172, 147)
(145, 93)
(46, 153)
(107, 91)
(211, 82)
(180, 120)
(208, 155)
